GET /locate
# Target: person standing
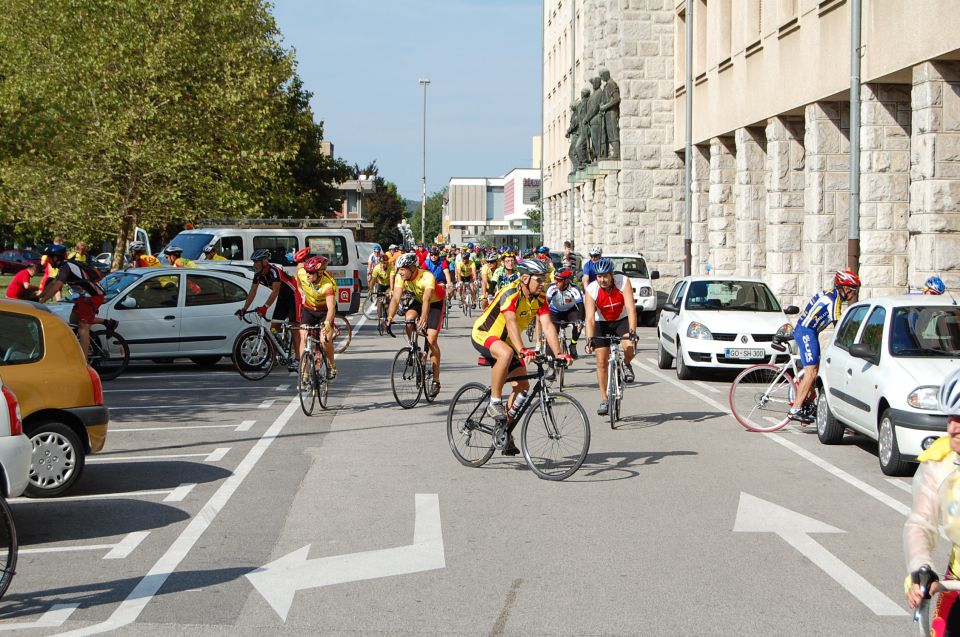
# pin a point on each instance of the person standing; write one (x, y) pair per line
(49, 272)
(79, 253)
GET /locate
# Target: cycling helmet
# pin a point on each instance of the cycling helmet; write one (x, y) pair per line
(210, 248)
(564, 273)
(314, 264)
(173, 250)
(56, 251)
(595, 251)
(376, 247)
(543, 250)
(469, 246)
(408, 260)
(604, 266)
(435, 251)
(136, 246)
(260, 255)
(393, 246)
(948, 399)
(846, 278)
(301, 255)
(935, 284)
(509, 253)
(492, 257)
(532, 266)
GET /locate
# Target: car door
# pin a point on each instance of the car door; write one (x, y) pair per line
(835, 360)
(862, 377)
(149, 315)
(207, 323)
(670, 320)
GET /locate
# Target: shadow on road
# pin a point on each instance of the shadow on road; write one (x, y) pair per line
(644, 421)
(141, 476)
(89, 519)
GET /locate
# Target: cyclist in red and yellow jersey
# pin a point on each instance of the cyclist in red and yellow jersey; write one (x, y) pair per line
(318, 294)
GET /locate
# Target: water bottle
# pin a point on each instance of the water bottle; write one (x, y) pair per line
(518, 404)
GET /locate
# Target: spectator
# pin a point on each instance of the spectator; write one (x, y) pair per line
(20, 287)
(49, 272)
(79, 253)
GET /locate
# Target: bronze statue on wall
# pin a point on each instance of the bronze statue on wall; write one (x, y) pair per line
(610, 111)
(594, 118)
(578, 133)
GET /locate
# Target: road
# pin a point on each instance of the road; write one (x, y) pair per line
(679, 521)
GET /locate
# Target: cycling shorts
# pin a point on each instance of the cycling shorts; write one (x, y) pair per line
(434, 314)
(485, 353)
(573, 315)
(808, 341)
(380, 288)
(85, 309)
(312, 318)
(287, 308)
(620, 327)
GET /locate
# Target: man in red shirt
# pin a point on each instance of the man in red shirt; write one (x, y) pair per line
(20, 287)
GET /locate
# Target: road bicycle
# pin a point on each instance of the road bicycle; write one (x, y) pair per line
(921, 616)
(616, 371)
(411, 375)
(554, 435)
(109, 352)
(564, 348)
(8, 546)
(313, 386)
(761, 396)
(377, 304)
(261, 347)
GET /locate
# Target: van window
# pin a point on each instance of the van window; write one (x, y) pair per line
(334, 248)
(22, 339)
(231, 248)
(280, 248)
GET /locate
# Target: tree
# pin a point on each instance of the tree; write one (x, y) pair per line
(536, 219)
(119, 113)
(434, 217)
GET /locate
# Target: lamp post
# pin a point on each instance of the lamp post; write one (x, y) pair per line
(423, 203)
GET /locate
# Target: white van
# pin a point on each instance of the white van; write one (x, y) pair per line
(237, 244)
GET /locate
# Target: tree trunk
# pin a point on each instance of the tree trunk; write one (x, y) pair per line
(128, 227)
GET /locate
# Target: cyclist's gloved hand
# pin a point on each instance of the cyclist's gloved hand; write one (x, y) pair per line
(633, 337)
(238, 313)
(262, 310)
(526, 353)
(566, 358)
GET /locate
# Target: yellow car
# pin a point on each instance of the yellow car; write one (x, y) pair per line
(61, 398)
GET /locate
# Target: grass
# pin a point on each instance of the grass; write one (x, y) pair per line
(5, 281)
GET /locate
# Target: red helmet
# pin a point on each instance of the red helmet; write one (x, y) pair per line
(301, 255)
(564, 273)
(846, 279)
(314, 264)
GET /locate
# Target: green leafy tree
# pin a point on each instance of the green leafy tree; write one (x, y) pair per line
(536, 219)
(433, 215)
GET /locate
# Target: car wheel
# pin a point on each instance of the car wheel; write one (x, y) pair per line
(57, 461)
(684, 371)
(664, 360)
(829, 429)
(205, 361)
(891, 462)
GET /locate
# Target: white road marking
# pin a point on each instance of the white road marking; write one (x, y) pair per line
(181, 492)
(131, 429)
(180, 390)
(173, 456)
(267, 404)
(709, 388)
(245, 425)
(283, 387)
(115, 551)
(217, 454)
(279, 580)
(130, 608)
(127, 545)
(900, 484)
(210, 406)
(53, 618)
(759, 516)
(94, 496)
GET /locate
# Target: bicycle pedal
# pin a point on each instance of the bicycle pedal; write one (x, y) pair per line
(500, 437)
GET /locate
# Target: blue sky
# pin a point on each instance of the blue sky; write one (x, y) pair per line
(363, 59)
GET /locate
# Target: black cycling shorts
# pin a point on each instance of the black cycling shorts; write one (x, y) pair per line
(515, 362)
(572, 315)
(312, 318)
(434, 315)
(620, 327)
(287, 308)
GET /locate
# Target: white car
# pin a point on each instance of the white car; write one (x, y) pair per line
(881, 374)
(16, 451)
(167, 312)
(634, 267)
(720, 322)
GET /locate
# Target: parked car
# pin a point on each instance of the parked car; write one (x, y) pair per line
(61, 397)
(720, 322)
(168, 312)
(881, 373)
(634, 267)
(364, 250)
(16, 260)
(15, 449)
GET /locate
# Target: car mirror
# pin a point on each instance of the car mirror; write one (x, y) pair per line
(655, 275)
(670, 307)
(863, 351)
(129, 303)
(791, 309)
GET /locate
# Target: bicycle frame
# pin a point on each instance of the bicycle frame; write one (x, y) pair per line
(540, 390)
(280, 349)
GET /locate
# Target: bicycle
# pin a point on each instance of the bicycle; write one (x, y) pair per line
(921, 616)
(258, 349)
(9, 547)
(109, 352)
(616, 370)
(761, 395)
(411, 374)
(377, 301)
(564, 348)
(554, 445)
(466, 300)
(312, 383)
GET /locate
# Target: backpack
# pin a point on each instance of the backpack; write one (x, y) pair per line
(90, 273)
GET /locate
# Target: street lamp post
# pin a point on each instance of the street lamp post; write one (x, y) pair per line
(423, 203)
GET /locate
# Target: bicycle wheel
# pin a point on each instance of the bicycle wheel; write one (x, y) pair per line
(406, 378)
(761, 397)
(109, 354)
(321, 382)
(469, 305)
(253, 354)
(612, 392)
(307, 383)
(342, 334)
(8, 546)
(381, 319)
(469, 428)
(555, 437)
(427, 367)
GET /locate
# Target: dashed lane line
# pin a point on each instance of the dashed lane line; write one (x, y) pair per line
(116, 430)
(116, 551)
(212, 456)
(53, 618)
(99, 496)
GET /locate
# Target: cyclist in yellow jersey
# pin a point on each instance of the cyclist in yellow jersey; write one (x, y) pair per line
(318, 294)
(487, 280)
(497, 336)
(466, 273)
(212, 253)
(139, 257)
(380, 277)
(175, 259)
(422, 286)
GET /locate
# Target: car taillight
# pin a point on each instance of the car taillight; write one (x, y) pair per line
(16, 424)
(356, 281)
(97, 386)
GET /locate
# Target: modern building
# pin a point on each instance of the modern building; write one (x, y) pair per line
(771, 169)
(492, 210)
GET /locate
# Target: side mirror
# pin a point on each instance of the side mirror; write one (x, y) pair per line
(791, 309)
(655, 275)
(864, 352)
(129, 303)
(670, 307)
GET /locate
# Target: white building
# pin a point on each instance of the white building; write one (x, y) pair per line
(492, 210)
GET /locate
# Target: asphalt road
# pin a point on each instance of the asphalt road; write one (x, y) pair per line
(679, 521)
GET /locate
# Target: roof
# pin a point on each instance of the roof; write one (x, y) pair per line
(25, 307)
(911, 299)
(702, 277)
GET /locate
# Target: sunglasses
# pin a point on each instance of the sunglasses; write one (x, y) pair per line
(539, 279)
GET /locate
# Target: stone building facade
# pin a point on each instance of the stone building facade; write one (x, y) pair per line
(770, 189)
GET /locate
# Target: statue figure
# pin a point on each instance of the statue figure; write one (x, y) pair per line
(574, 137)
(583, 132)
(610, 109)
(593, 116)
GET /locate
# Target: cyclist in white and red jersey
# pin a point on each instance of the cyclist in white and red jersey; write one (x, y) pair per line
(610, 311)
(283, 289)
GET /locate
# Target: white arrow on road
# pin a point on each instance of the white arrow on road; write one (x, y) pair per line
(279, 580)
(759, 516)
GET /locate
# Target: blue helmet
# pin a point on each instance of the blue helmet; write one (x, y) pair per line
(376, 247)
(935, 284)
(543, 250)
(470, 246)
(56, 251)
(603, 266)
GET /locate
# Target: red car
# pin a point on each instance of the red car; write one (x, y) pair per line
(16, 260)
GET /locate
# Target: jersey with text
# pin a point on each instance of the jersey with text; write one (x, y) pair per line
(823, 310)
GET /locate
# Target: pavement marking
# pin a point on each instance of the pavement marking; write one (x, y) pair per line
(94, 496)
(129, 429)
(181, 492)
(211, 406)
(245, 425)
(283, 387)
(173, 456)
(53, 618)
(184, 375)
(217, 454)
(267, 404)
(115, 551)
(709, 388)
(130, 608)
(900, 484)
(199, 388)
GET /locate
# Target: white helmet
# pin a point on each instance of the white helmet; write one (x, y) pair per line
(595, 251)
(408, 260)
(948, 398)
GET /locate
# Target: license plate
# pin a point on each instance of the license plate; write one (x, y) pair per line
(746, 353)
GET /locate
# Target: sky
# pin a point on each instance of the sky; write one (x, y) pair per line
(363, 59)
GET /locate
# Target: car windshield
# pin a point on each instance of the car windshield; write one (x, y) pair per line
(741, 296)
(192, 243)
(931, 331)
(113, 284)
(27, 254)
(631, 266)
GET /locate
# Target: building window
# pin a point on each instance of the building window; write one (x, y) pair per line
(680, 49)
(700, 40)
(753, 22)
(786, 11)
(722, 25)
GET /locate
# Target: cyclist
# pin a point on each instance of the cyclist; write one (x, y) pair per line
(934, 286)
(466, 273)
(497, 336)
(379, 277)
(824, 309)
(318, 296)
(543, 253)
(374, 257)
(610, 310)
(139, 257)
(175, 258)
(423, 287)
(85, 281)
(566, 304)
(486, 277)
(283, 290)
(590, 267)
(936, 500)
(506, 273)
(212, 253)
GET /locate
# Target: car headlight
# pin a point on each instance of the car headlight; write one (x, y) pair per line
(923, 398)
(699, 330)
(785, 330)
(644, 291)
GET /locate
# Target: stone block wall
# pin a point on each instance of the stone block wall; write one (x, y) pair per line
(784, 216)
(750, 201)
(700, 210)
(721, 224)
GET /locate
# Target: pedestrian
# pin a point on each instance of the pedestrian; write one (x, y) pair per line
(79, 253)
(49, 272)
(20, 287)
